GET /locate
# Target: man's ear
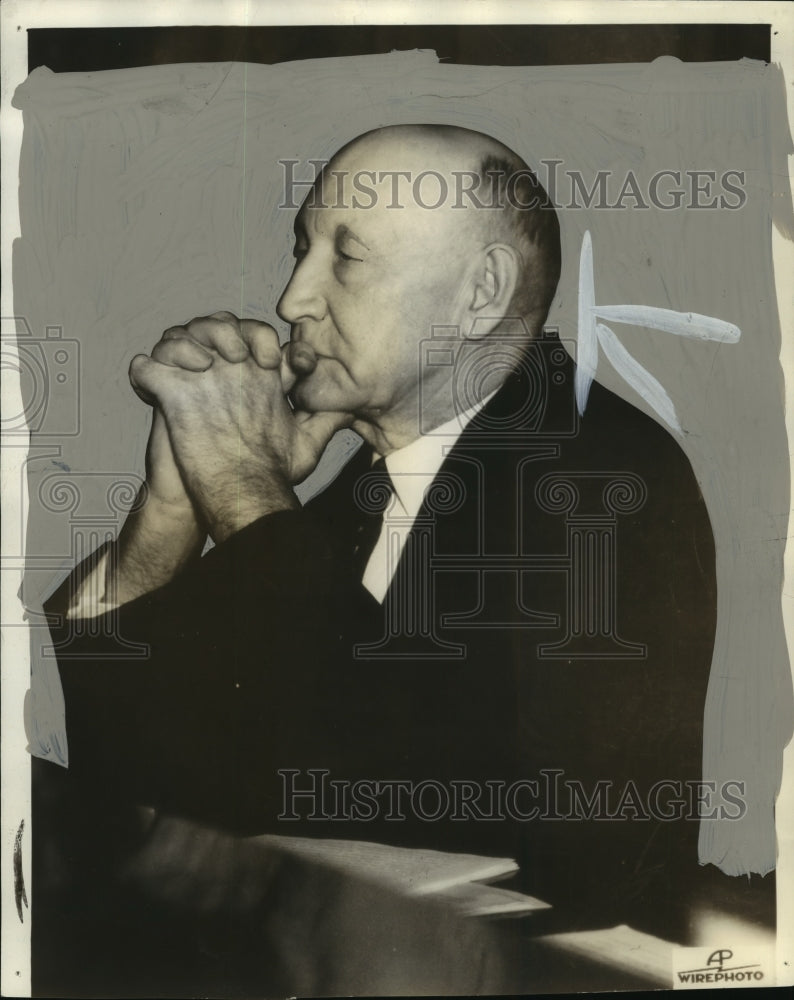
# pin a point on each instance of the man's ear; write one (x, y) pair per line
(495, 283)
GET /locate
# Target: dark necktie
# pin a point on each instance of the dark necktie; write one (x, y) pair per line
(372, 495)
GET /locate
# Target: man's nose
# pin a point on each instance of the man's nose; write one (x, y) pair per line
(302, 299)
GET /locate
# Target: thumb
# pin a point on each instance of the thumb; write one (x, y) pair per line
(318, 428)
(140, 375)
(297, 361)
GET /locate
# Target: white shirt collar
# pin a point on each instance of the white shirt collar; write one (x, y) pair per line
(413, 467)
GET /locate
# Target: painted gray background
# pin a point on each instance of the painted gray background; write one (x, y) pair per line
(149, 196)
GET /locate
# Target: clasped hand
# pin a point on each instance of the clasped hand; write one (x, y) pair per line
(225, 439)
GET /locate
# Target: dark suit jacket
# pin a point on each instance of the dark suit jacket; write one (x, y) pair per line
(566, 571)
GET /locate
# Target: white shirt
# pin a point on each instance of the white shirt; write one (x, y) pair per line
(411, 469)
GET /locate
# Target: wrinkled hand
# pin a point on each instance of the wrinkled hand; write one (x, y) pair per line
(163, 478)
(221, 384)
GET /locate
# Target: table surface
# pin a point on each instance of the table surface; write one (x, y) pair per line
(174, 909)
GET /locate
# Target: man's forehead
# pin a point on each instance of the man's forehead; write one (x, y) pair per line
(340, 212)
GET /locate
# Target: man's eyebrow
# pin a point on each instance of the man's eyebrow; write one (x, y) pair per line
(345, 232)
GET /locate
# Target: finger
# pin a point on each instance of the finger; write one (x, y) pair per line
(297, 361)
(138, 380)
(182, 353)
(149, 378)
(288, 376)
(262, 342)
(225, 315)
(321, 427)
(178, 333)
(221, 332)
(302, 358)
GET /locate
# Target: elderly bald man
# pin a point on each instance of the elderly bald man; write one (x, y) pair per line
(466, 668)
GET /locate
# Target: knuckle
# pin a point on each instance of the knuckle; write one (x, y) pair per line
(213, 331)
(262, 333)
(255, 324)
(198, 325)
(174, 333)
(272, 352)
(137, 368)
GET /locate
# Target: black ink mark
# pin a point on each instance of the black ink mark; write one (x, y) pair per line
(20, 896)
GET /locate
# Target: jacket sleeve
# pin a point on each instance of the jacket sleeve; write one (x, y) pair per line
(237, 650)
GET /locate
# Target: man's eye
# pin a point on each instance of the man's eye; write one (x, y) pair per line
(347, 256)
